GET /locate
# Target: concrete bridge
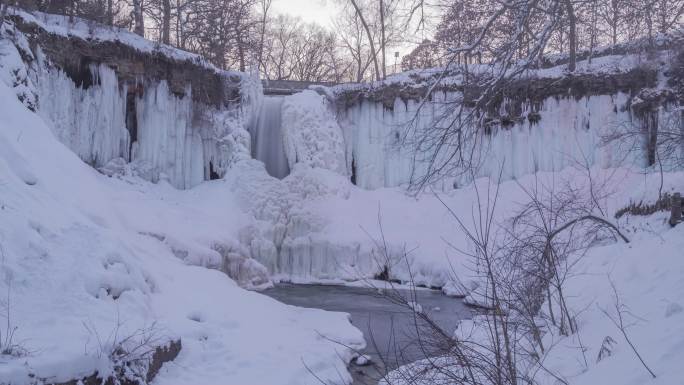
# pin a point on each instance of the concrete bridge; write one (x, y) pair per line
(289, 87)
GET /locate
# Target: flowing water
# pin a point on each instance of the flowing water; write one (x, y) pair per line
(267, 138)
(389, 329)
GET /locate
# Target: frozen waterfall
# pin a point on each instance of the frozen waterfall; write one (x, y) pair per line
(267, 138)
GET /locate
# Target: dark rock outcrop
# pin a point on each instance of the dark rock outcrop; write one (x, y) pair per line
(161, 355)
(74, 55)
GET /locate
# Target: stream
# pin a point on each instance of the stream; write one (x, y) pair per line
(389, 329)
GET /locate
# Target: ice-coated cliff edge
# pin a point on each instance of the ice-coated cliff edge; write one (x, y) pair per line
(546, 121)
(124, 104)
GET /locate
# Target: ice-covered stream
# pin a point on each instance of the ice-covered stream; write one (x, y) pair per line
(387, 327)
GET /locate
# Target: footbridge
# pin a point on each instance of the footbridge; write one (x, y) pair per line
(289, 87)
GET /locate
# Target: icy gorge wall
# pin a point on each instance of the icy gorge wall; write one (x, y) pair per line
(124, 104)
(545, 122)
(129, 106)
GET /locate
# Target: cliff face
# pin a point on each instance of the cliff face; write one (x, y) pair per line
(608, 113)
(133, 66)
(127, 105)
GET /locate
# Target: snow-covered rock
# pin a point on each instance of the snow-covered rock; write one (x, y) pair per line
(363, 360)
(415, 306)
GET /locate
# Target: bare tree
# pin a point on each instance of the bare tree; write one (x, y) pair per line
(522, 264)
(300, 51)
(3, 12)
(166, 21)
(369, 35)
(138, 19)
(265, 6)
(351, 32)
(621, 310)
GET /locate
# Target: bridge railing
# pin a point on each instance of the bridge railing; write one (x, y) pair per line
(289, 87)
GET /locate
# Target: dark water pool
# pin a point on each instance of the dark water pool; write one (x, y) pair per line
(389, 328)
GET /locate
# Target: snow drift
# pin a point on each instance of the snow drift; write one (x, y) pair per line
(90, 262)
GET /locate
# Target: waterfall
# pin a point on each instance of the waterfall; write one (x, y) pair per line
(267, 138)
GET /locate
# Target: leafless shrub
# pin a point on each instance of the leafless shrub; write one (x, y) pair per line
(522, 264)
(9, 345)
(130, 354)
(618, 319)
(641, 208)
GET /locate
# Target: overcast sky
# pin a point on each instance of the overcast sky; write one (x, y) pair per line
(318, 11)
(323, 12)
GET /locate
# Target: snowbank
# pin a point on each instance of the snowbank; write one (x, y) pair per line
(645, 276)
(121, 254)
(90, 260)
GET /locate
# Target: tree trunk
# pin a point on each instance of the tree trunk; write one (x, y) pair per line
(649, 21)
(616, 17)
(3, 12)
(370, 39)
(240, 47)
(110, 12)
(180, 38)
(265, 6)
(675, 209)
(139, 21)
(166, 21)
(572, 36)
(384, 41)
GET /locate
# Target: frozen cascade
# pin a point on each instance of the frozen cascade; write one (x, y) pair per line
(267, 138)
(92, 121)
(167, 143)
(311, 133)
(171, 137)
(568, 132)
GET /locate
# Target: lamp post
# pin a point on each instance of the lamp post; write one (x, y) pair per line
(396, 59)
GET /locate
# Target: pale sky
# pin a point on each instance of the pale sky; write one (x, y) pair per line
(316, 11)
(322, 12)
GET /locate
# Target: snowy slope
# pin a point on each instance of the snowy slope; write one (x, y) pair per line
(81, 251)
(648, 278)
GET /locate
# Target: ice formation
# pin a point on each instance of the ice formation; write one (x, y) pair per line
(89, 250)
(300, 227)
(312, 135)
(566, 131)
(163, 135)
(267, 138)
(91, 122)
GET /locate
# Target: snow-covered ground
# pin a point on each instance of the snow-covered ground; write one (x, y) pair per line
(648, 276)
(88, 260)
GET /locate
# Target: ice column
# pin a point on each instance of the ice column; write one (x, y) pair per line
(267, 138)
